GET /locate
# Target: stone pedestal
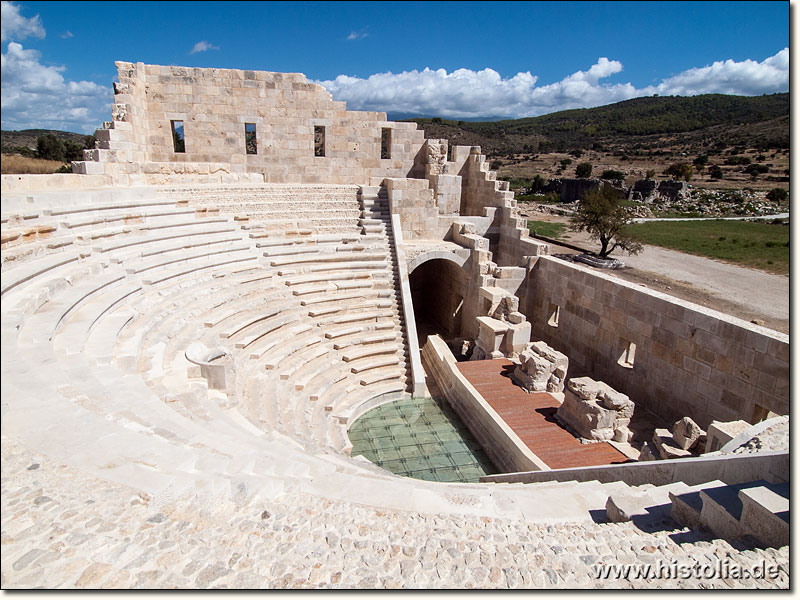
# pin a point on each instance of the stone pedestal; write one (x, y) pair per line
(491, 334)
(720, 433)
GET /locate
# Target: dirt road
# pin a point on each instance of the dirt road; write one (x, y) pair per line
(746, 293)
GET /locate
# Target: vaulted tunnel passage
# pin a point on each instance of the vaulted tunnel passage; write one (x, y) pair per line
(438, 288)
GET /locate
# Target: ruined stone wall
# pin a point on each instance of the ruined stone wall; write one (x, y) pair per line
(483, 195)
(688, 361)
(215, 104)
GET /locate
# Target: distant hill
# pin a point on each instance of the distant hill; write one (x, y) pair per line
(26, 138)
(754, 121)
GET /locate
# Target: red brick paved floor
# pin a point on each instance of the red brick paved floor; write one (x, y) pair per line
(532, 417)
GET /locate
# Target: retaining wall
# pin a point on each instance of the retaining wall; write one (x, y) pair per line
(731, 469)
(688, 360)
(497, 439)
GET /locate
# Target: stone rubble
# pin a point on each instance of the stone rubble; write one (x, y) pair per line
(596, 411)
(541, 369)
(687, 434)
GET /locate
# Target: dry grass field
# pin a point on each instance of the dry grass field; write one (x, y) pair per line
(635, 167)
(17, 164)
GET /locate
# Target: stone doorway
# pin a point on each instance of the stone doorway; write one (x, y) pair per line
(438, 288)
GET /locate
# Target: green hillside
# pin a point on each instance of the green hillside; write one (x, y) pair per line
(758, 121)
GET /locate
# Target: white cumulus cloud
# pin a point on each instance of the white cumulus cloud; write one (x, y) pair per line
(467, 93)
(13, 26)
(38, 96)
(203, 46)
(746, 78)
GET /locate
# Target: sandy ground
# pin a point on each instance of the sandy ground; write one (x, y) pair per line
(746, 293)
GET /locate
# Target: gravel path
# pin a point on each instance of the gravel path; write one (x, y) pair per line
(739, 291)
(756, 290)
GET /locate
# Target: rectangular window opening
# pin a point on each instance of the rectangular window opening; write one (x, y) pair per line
(386, 142)
(250, 141)
(319, 140)
(628, 355)
(554, 313)
(178, 140)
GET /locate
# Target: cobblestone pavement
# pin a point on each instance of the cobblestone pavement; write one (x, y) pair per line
(65, 529)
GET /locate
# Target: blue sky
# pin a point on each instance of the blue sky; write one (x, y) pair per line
(453, 59)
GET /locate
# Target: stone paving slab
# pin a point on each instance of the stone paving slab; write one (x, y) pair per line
(65, 529)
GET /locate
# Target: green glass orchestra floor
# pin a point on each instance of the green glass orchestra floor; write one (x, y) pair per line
(421, 438)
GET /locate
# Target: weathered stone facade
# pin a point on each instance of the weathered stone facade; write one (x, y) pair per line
(215, 104)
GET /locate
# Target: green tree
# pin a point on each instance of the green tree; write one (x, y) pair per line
(650, 173)
(715, 171)
(680, 170)
(565, 162)
(583, 170)
(50, 147)
(601, 214)
(777, 195)
(755, 170)
(73, 150)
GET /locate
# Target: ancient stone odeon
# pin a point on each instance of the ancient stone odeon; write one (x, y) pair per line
(193, 320)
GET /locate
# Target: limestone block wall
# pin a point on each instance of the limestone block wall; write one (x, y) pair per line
(215, 104)
(687, 360)
(413, 200)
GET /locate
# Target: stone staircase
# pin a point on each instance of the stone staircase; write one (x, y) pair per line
(756, 509)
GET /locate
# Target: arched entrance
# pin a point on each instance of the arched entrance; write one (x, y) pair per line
(438, 287)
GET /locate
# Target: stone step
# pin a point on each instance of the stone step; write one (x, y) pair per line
(365, 340)
(334, 257)
(344, 297)
(723, 506)
(687, 505)
(375, 364)
(642, 504)
(765, 514)
(367, 351)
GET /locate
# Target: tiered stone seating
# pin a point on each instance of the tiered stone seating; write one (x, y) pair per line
(94, 339)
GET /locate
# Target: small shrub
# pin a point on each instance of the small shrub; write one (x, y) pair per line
(583, 170)
(612, 174)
